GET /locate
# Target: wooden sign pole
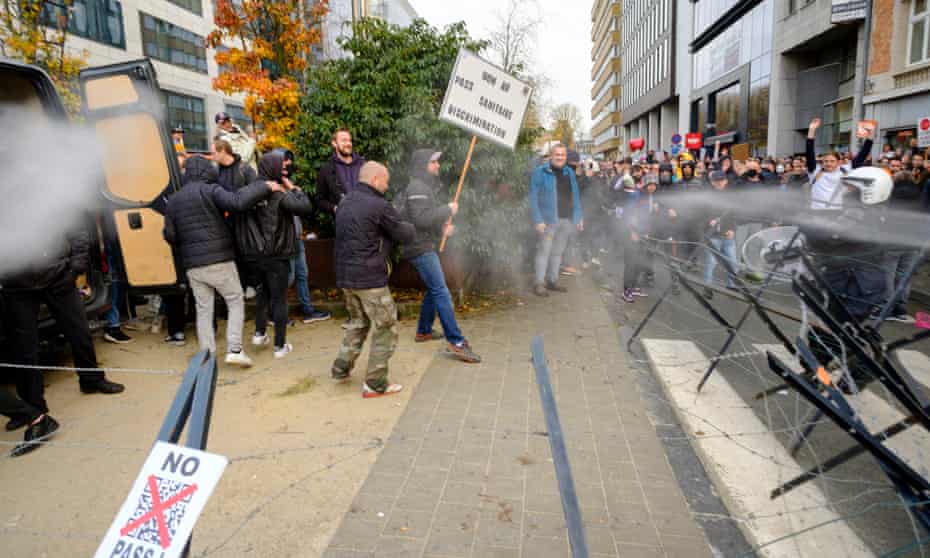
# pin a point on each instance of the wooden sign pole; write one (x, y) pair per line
(458, 191)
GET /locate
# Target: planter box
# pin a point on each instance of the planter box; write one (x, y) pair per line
(321, 265)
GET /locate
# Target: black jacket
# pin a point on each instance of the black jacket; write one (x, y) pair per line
(421, 208)
(329, 187)
(66, 257)
(267, 230)
(367, 226)
(237, 175)
(194, 223)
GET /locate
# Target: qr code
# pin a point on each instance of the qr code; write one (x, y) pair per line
(171, 516)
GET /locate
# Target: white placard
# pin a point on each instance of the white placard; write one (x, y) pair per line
(484, 100)
(843, 11)
(159, 513)
(923, 132)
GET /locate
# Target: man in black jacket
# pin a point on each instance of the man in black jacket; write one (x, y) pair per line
(367, 226)
(232, 172)
(194, 225)
(339, 175)
(430, 219)
(52, 281)
(267, 240)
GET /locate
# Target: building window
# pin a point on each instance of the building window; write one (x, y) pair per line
(169, 43)
(189, 5)
(188, 113)
(725, 105)
(97, 20)
(919, 32)
(758, 131)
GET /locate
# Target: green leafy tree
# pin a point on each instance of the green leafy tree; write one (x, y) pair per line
(388, 94)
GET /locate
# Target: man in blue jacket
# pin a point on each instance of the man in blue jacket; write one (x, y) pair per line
(555, 205)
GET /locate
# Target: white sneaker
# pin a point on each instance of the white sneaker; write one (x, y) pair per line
(260, 340)
(240, 359)
(281, 352)
(249, 293)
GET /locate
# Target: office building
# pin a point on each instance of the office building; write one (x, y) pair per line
(605, 75)
(648, 104)
(814, 74)
(731, 66)
(171, 33)
(898, 89)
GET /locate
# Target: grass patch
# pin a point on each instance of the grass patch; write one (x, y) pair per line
(305, 385)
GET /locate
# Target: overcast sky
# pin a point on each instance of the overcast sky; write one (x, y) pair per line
(564, 41)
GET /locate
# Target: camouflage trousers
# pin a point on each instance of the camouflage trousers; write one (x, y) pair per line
(369, 309)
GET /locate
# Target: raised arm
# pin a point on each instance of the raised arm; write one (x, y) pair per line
(809, 145)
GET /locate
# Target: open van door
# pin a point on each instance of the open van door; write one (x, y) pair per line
(123, 104)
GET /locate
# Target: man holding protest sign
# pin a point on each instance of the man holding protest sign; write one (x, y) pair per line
(430, 220)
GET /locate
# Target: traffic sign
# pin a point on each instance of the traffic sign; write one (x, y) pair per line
(159, 513)
(676, 139)
(676, 149)
(923, 132)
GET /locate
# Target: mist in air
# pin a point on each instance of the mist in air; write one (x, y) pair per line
(51, 180)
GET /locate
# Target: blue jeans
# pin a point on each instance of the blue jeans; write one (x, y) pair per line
(299, 274)
(726, 246)
(897, 263)
(117, 287)
(437, 298)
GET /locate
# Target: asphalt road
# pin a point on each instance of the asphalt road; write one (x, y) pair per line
(858, 489)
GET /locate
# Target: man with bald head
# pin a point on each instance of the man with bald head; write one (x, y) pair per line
(367, 227)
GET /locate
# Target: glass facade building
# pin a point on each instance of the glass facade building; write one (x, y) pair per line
(731, 73)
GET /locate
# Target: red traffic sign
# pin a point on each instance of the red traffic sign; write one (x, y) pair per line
(637, 143)
(694, 140)
(925, 124)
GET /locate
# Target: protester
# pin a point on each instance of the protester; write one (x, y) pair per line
(430, 219)
(241, 143)
(119, 290)
(720, 231)
(40, 425)
(300, 278)
(339, 175)
(908, 217)
(634, 226)
(232, 172)
(51, 282)
(555, 206)
(367, 227)
(826, 188)
(266, 239)
(194, 225)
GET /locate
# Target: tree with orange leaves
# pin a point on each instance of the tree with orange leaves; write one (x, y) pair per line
(36, 32)
(264, 49)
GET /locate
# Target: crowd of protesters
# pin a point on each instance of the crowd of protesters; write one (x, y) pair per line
(236, 227)
(637, 207)
(236, 230)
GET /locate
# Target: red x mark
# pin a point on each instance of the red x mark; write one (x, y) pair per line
(158, 512)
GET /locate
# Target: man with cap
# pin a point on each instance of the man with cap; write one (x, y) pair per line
(555, 206)
(241, 143)
(430, 219)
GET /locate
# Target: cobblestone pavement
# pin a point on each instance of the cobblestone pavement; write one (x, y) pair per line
(468, 472)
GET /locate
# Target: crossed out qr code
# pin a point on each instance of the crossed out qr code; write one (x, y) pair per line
(149, 530)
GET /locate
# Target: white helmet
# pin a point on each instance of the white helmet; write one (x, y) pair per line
(873, 183)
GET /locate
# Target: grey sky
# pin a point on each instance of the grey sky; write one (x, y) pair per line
(564, 41)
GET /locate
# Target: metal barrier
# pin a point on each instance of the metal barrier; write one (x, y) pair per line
(193, 407)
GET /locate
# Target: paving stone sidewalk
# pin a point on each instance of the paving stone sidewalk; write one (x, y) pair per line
(468, 471)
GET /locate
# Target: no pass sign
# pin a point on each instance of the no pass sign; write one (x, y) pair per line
(923, 132)
(165, 501)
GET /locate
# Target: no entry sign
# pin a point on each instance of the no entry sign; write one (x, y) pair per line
(485, 100)
(164, 503)
(923, 132)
